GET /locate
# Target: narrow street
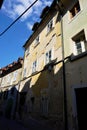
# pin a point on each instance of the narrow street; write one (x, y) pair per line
(6, 124)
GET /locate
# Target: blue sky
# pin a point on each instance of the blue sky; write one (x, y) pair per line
(12, 41)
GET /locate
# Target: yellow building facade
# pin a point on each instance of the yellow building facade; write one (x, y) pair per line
(42, 87)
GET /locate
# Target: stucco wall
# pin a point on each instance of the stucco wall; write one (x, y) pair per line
(75, 78)
(73, 26)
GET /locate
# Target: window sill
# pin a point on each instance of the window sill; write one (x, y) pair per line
(36, 44)
(34, 73)
(14, 81)
(52, 63)
(27, 54)
(73, 57)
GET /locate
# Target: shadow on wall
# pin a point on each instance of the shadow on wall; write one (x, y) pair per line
(8, 101)
(44, 98)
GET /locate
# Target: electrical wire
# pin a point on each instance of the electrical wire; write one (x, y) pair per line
(17, 19)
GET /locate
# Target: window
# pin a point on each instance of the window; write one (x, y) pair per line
(8, 78)
(24, 74)
(74, 10)
(34, 66)
(15, 76)
(50, 26)
(3, 80)
(44, 106)
(79, 43)
(78, 47)
(37, 40)
(27, 51)
(48, 56)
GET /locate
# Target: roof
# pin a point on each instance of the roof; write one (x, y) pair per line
(44, 13)
(11, 67)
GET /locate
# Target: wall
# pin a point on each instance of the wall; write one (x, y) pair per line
(44, 89)
(74, 26)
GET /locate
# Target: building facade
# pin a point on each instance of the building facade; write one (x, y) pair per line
(42, 85)
(9, 87)
(75, 46)
(52, 81)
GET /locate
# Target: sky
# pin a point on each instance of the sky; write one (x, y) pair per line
(12, 41)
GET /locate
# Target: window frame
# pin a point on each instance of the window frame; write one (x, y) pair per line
(15, 75)
(78, 47)
(34, 66)
(50, 26)
(24, 72)
(75, 10)
(79, 41)
(48, 56)
(8, 78)
(37, 40)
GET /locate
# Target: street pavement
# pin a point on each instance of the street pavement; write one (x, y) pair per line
(6, 124)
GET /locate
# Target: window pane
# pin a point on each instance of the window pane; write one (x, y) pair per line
(34, 66)
(48, 56)
(50, 25)
(79, 48)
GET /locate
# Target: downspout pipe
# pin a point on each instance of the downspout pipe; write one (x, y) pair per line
(64, 70)
(64, 79)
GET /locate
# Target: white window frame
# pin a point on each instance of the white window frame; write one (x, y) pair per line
(82, 47)
(79, 38)
(15, 76)
(78, 47)
(48, 59)
(3, 80)
(8, 78)
(34, 66)
(37, 40)
(50, 26)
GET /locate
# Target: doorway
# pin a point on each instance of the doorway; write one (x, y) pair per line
(81, 104)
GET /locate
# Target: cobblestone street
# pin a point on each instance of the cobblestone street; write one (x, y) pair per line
(6, 124)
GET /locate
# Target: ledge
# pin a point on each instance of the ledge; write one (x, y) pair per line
(51, 63)
(73, 58)
(34, 73)
(35, 45)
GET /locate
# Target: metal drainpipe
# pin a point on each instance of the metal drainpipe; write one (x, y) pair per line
(64, 77)
(64, 70)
